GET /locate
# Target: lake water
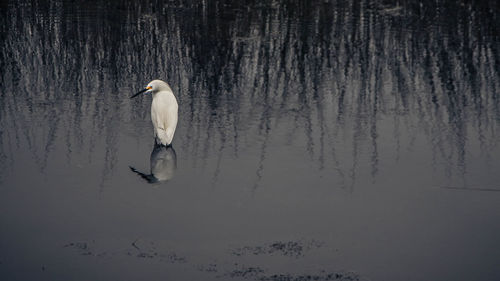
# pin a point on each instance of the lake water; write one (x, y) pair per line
(317, 140)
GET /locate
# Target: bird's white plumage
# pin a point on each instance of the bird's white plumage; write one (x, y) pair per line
(164, 110)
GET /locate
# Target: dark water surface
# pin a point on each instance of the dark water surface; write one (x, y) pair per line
(317, 140)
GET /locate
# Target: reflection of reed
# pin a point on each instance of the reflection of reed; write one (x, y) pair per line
(319, 71)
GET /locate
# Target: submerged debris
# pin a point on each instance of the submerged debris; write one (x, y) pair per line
(290, 248)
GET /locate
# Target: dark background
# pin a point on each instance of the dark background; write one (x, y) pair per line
(316, 139)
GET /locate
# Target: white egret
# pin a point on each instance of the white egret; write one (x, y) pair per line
(164, 110)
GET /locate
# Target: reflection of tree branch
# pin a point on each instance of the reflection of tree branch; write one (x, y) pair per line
(355, 62)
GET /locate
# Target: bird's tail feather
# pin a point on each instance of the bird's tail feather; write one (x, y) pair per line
(165, 136)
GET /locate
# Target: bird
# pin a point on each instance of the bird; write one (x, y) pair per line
(164, 111)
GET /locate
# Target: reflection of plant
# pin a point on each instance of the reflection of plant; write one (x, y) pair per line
(319, 72)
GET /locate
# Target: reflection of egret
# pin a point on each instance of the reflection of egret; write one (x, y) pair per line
(163, 110)
(163, 164)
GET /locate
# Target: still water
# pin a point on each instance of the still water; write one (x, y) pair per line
(321, 140)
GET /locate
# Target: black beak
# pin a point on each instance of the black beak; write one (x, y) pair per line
(140, 92)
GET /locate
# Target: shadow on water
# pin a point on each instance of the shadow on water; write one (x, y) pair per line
(163, 165)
